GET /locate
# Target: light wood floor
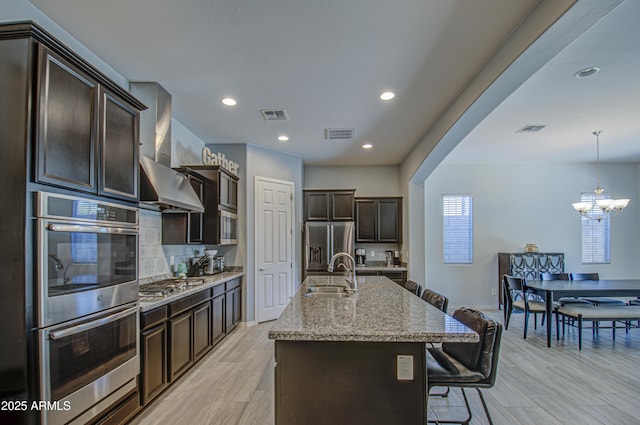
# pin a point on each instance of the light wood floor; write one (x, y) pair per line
(536, 385)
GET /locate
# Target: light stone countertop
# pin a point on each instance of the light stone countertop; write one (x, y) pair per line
(382, 311)
(149, 303)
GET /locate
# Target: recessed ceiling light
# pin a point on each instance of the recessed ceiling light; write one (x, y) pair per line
(587, 72)
(367, 146)
(283, 138)
(229, 101)
(387, 95)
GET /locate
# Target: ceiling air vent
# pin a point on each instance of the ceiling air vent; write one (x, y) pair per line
(274, 114)
(339, 133)
(531, 128)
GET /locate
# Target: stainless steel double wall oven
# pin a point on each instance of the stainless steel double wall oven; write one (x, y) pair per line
(87, 304)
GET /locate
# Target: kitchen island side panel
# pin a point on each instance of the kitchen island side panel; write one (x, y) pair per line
(348, 383)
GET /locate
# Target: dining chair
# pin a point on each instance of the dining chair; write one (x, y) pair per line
(414, 287)
(467, 364)
(516, 297)
(437, 300)
(563, 300)
(595, 300)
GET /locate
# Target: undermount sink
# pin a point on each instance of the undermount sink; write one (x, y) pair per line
(326, 291)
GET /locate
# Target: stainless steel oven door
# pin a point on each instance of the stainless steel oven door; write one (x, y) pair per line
(228, 228)
(87, 364)
(84, 269)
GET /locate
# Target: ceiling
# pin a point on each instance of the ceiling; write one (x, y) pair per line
(326, 62)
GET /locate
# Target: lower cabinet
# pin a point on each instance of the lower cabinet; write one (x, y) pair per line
(399, 277)
(176, 335)
(233, 304)
(153, 353)
(154, 362)
(201, 330)
(218, 330)
(180, 344)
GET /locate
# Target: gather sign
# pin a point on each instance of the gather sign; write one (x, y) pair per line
(210, 158)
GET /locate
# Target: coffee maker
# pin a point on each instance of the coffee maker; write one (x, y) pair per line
(396, 258)
(361, 258)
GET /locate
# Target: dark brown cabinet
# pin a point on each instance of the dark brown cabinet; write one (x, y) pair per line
(153, 343)
(233, 304)
(217, 189)
(67, 124)
(378, 220)
(154, 353)
(329, 205)
(119, 135)
(185, 228)
(180, 344)
(228, 190)
(202, 330)
(218, 329)
(177, 335)
(87, 135)
(399, 276)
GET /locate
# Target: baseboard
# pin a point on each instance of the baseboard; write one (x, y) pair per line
(247, 324)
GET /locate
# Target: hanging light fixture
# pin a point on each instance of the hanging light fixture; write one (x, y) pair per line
(600, 206)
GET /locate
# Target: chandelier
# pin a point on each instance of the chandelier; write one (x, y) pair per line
(600, 206)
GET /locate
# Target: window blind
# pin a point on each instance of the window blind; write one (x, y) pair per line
(457, 227)
(595, 235)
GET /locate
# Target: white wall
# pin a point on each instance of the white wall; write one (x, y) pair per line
(516, 204)
(255, 161)
(368, 181)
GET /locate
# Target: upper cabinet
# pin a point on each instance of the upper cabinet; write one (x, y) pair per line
(67, 124)
(217, 189)
(329, 205)
(74, 127)
(378, 220)
(87, 137)
(119, 141)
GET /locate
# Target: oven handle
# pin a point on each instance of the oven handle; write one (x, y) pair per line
(90, 325)
(93, 229)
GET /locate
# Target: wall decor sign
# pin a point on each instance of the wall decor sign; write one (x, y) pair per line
(210, 158)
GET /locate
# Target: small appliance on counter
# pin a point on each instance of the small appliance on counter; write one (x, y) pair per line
(361, 258)
(396, 258)
(210, 267)
(219, 263)
(388, 255)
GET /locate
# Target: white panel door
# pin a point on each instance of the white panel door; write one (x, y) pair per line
(274, 247)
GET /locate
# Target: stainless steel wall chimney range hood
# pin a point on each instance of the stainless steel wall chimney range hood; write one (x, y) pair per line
(160, 185)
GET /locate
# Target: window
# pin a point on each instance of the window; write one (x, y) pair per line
(595, 236)
(457, 228)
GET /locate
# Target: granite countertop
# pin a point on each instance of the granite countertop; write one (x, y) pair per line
(150, 302)
(381, 311)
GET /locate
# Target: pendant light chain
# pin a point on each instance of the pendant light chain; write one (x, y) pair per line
(598, 190)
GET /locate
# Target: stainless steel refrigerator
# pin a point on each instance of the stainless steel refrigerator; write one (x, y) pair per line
(325, 238)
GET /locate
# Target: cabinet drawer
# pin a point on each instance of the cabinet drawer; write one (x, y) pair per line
(232, 284)
(153, 317)
(218, 290)
(179, 306)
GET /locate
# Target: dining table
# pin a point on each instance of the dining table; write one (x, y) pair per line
(552, 290)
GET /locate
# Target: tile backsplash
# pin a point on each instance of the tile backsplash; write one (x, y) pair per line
(154, 257)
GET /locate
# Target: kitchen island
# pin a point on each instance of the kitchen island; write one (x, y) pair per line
(359, 359)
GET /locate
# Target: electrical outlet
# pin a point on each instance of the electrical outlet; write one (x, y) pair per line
(494, 292)
(172, 260)
(405, 368)
(372, 254)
